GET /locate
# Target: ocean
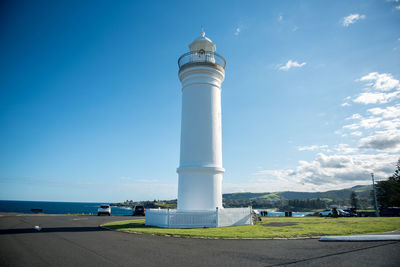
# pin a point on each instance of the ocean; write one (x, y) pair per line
(282, 214)
(58, 207)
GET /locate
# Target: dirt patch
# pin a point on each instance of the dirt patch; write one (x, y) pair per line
(279, 224)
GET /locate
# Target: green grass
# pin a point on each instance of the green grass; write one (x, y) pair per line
(272, 196)
(295, 227)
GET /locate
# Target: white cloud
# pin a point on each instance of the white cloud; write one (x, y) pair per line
(373, 98)
(325, 172)
(336, 169)
(352, 18)
(311, 148)
(397, 7)
(292, 64)
(356, 133)
(376, 152)
(388, 112)
(382, 127)
(237, 31)
(354, 117)
(381, 89)
(353, 126)
(366, 123)
(381, 82)
(280, 18)
(375, 133)
(377, 124)
(383, 142)
(345, 149)
(345, 104)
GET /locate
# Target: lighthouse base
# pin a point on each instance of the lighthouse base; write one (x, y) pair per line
(172, 218)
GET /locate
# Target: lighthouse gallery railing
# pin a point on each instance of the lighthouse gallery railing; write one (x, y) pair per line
(201, 57)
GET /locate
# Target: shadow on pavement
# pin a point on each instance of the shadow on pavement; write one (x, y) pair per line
(51, 230)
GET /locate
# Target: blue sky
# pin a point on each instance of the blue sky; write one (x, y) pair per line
(90, 97)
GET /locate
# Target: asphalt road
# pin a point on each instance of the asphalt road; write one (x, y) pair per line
(67, 240)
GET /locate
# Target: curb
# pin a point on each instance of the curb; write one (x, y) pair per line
(360, 238)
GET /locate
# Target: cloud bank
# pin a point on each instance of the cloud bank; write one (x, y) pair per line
(371, 144)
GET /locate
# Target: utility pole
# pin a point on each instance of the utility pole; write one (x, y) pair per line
(373, 188)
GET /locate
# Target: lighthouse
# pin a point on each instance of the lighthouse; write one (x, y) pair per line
(200, 171)
(201, 72)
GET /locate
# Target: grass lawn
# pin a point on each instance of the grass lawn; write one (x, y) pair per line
(272, 228)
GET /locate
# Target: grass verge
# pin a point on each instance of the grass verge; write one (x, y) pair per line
(272, 228)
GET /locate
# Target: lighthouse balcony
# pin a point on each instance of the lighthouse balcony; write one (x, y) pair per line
(201, 57)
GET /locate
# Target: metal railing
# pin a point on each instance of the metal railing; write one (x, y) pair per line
(201, 56)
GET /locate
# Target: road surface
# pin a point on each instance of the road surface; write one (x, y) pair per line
(68, 240)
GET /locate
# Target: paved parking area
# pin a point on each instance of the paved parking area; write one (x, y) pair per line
(68, 240)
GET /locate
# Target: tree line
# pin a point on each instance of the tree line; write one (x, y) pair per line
(388, 191)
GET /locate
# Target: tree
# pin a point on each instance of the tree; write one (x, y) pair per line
(354, 200)
(395, 183)
(388, 191)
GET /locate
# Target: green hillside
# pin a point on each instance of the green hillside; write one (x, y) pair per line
(288, 200)
(299, 201)
(362, 191)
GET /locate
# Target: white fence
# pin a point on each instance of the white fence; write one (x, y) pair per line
(171, 218)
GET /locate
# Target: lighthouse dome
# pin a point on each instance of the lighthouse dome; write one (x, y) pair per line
(202, 43)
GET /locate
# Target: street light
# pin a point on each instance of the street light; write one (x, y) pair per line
(373, 188)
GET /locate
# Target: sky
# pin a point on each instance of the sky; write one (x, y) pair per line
(90, 99)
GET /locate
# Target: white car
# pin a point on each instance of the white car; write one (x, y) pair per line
(104, 209)
(326, 213)
(329, 213)
(343, 213)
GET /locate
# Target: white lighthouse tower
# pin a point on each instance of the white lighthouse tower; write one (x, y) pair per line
(201, 72)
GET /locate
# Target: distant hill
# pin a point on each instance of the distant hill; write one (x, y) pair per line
(288, 200)
(362, 191)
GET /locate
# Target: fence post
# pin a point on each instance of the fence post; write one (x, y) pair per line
(216, 217)
(168, 218)
(251, 215)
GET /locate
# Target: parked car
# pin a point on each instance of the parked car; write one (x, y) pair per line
(139, 210)
(343, 213)
(104, 209)
(326, 213)
(329, 213)
(351, 212)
